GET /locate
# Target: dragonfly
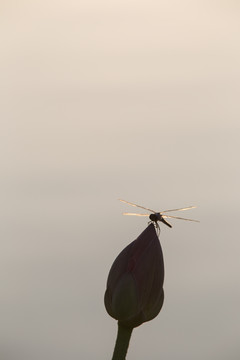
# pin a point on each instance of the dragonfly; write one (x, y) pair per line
(159, 216)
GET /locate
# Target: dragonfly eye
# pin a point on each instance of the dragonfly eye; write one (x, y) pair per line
(153, 217)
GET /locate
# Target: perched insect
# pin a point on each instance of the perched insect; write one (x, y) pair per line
(159, 216)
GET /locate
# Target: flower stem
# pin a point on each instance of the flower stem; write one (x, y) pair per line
(122, 342)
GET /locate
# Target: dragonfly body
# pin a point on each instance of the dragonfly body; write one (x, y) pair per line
(159, 216)
(155, 217)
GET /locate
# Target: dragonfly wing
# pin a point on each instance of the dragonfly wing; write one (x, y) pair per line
(177, 217)
(132, 204)
(133, 214)
(181, 209)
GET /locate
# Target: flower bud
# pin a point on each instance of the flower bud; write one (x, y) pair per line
(134, 291)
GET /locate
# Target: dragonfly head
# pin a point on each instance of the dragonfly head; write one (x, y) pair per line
(155, 217)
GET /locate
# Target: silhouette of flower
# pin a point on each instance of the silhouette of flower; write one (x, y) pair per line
(134, 291)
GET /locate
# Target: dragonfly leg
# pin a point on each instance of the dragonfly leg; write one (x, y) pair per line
(156, 226)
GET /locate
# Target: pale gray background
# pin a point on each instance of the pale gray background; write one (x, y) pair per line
(108, 99)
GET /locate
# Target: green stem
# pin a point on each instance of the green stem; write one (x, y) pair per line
(122, 342)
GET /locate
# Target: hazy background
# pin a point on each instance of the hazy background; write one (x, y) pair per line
(108, 99)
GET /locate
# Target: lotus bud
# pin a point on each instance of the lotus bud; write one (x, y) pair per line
(134, 291)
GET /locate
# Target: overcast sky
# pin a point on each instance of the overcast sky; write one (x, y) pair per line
(118, 99)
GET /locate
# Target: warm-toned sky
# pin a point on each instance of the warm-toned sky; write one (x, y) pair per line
(101, 100)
